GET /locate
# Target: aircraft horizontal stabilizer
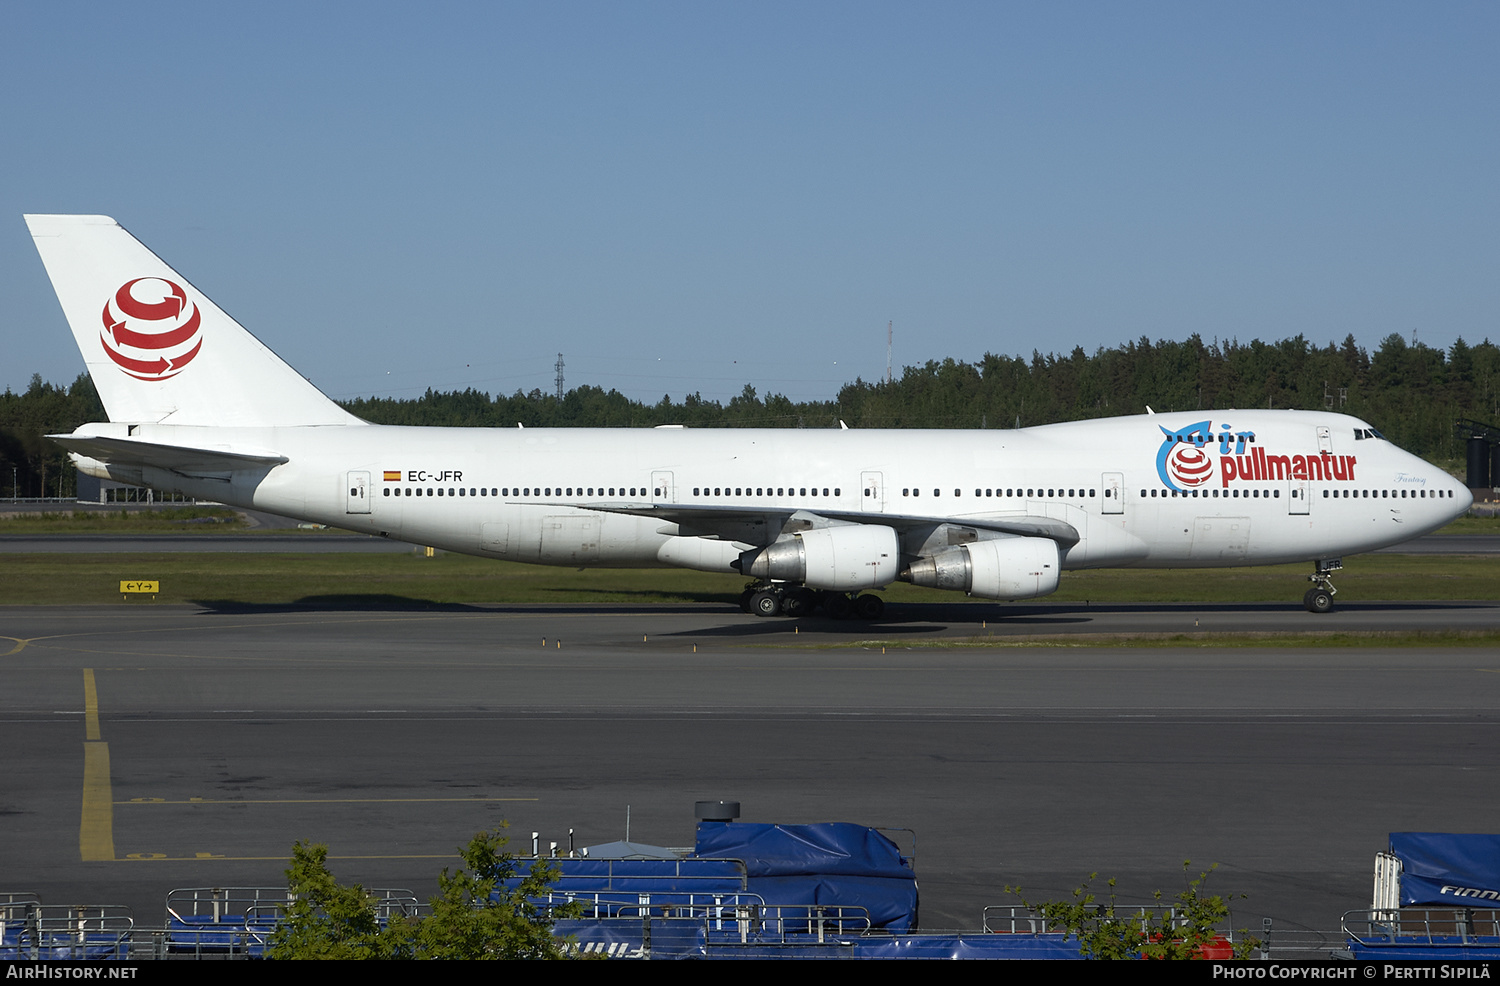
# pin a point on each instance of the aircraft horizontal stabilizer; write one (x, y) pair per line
(176, 458)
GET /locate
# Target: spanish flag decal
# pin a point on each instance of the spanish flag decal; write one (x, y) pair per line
(393, 475)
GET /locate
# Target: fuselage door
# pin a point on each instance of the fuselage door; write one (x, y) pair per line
(1114, 493)
(661, 487)
(357, 485)
(872, 494)
(1298, 504)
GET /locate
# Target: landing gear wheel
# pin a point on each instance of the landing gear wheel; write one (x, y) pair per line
(765, 603)
(869, 607)
(745, 600)
(798, 602)
(1318, 601)
(837, 605)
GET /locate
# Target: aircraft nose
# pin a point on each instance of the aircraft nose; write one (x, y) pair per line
(1463, 499)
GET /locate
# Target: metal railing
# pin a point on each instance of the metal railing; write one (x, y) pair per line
(739, 919)
(240, 920)
(1018, 919)
(669, 904)
(30, 930)
(782, 924)
(614, 876)
(1448, 926)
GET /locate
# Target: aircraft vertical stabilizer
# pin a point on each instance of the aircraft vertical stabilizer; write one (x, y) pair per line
(157, 348)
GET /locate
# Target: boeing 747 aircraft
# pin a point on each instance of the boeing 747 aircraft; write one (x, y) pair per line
(198, 405)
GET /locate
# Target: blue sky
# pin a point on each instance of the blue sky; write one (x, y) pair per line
(688, 197)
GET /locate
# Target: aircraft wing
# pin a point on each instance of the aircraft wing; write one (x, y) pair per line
(762, 526)
(177, 458)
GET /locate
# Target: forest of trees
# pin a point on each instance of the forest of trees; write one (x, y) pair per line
(1413, 393)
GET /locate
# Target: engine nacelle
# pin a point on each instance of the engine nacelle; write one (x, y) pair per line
(704, 554)
(858, 556)
(1000, 568)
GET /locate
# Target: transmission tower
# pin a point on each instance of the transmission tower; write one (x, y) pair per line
(559, 377)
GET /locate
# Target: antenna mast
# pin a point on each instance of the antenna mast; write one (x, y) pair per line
(889, 328)
(559, 378)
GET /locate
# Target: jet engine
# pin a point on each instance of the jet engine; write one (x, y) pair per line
(999, 568)
(856, 556)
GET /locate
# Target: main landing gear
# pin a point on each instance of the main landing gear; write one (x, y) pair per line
(773, 599)
(1319, 599)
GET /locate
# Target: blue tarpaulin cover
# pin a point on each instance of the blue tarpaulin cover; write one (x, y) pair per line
(787, 850)
(830, 863)
(1448, 869)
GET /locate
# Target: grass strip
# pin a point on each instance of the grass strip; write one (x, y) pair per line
(1257, 639)
(164, 520)
(412, 580)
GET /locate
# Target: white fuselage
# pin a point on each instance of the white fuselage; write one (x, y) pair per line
(1188, 489)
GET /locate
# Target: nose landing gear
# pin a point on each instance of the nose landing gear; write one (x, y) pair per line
(1319, 599)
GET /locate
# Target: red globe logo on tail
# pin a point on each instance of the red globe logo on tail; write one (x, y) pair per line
(151, 329)
(1190, 466)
